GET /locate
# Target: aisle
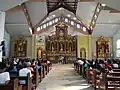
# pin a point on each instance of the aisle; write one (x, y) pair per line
(63, 77)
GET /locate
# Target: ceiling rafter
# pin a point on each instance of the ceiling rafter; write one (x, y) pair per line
(94, 18)
(112, 10)
(53, 5)
(25, 10)
(40, 21)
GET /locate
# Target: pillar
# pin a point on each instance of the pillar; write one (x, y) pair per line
(33, 46)
(2, 27)
(90, 47)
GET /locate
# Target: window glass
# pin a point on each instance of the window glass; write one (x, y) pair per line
(118, 44)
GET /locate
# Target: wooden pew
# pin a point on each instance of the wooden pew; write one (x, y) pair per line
(92, 77)
(89, 74)
(43, 71)
(116, 70)
(36, 78)
(28, 85)
(13, 85)
(111, 81)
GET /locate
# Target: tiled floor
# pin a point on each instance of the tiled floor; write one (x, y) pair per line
(63, 77)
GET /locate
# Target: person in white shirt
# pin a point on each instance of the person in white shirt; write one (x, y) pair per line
(80, 62)
(24, 72)
(4, 76)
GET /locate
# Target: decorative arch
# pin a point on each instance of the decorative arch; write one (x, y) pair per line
(83, 53)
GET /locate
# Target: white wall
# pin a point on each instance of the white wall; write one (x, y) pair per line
(29, 45)
(2, 24)
(7, 43)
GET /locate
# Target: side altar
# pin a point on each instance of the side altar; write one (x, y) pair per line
(61, 45)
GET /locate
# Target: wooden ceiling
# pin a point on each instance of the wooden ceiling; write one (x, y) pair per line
(70, 5)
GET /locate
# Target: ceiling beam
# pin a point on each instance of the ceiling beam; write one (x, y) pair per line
(112, 10)
(25, 10)
(40, 21)
(95, 16)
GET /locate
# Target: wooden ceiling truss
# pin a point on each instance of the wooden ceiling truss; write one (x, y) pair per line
(70, 5)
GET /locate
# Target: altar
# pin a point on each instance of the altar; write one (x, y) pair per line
(61, 44)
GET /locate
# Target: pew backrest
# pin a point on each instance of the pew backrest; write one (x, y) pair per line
(13, 85)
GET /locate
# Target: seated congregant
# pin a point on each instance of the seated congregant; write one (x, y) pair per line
(4, 76)
(24, 71)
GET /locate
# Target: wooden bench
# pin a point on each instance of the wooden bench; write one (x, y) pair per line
(26, 86)
(111, 81)
(36, 78)
(116, 70)
(89, 74)
(13, 85)
(92, 77)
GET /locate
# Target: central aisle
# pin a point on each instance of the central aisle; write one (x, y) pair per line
(63, 77)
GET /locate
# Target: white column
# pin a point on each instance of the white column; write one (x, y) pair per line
(2, 27)
(90, 47)
(33, 46)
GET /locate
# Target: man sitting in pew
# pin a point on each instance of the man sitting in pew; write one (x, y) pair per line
(4, 76)
(25, 71)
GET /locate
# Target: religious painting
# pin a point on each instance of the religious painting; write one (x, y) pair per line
(20, 47)
(102, 48)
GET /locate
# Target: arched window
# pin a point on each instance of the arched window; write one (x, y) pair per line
(118, 48)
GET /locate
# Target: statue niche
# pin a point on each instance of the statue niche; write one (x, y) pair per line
(102, 48)
(20, 47)
(61, 44)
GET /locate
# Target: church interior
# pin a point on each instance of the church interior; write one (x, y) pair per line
(59, 45)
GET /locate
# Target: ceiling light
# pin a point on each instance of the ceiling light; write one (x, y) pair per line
(74, 18)
(103, 5)
(78, 25)
(56, 20)
(69, 15)
(38, 29)
(98, 9)
(84, 29)
(66, 20)
(95, 16)
(72, 23)
(47, 24)
(44, 26)
(93, 22)
(50, 23)
(53, 15)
